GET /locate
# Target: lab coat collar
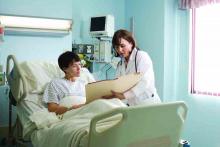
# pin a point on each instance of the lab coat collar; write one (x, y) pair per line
(133, 53)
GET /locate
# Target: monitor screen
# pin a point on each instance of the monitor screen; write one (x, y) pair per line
(97, 24)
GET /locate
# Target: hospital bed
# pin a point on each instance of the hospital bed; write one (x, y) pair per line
(100, 123)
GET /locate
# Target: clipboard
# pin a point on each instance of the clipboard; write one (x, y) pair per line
(121, 84)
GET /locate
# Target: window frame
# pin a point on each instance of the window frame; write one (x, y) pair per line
(193, 89)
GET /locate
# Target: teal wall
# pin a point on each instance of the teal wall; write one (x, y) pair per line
(161, 29)
(171, 55)
(149, 32)
(47, 8)
(27, 47)
(84, 9)
(202, 126)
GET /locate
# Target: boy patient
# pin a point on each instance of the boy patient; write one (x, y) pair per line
(69, 85)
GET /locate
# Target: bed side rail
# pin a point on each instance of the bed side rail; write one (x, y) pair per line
(16, 79)
(143, 126)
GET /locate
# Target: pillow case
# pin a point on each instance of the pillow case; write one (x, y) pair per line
(39, 73)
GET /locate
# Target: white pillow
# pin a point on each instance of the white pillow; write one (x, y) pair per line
(39, 73)
(85, 75)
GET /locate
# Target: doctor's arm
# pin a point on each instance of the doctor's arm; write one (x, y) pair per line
(145, 87)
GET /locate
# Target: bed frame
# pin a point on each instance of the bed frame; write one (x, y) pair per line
(157, 125)
(14, 131)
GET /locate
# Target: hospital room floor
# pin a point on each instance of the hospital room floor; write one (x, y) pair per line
(3, 144)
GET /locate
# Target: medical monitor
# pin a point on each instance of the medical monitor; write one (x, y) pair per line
(102, 26)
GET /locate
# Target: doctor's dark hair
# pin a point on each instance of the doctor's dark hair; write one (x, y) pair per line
(67, 58)
(118, 35)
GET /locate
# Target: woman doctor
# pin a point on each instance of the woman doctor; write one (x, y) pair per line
(133, 61)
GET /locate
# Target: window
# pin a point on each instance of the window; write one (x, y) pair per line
(205, 67)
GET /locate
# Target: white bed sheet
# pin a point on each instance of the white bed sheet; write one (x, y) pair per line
(32, 103)
(37, 74)
(74, 128)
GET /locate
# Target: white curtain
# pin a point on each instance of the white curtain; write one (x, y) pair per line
(189, 4)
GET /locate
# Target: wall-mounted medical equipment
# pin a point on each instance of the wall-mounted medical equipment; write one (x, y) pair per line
(21, 25)
(98, 52)
(102, 52)
(105, 51)
(102, 26)
(86, 54)
(83, 48)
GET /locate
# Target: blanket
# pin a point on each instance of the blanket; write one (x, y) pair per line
(73, 129)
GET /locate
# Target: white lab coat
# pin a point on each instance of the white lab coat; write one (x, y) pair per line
(144, 92)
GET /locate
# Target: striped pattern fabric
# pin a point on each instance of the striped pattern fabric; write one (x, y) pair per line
(189, 4)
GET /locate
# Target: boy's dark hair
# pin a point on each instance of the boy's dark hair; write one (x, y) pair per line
(67, 58)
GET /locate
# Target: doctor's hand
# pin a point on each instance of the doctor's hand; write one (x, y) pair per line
(114, 95)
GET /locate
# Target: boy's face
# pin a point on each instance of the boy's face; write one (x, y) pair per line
(73, 70)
